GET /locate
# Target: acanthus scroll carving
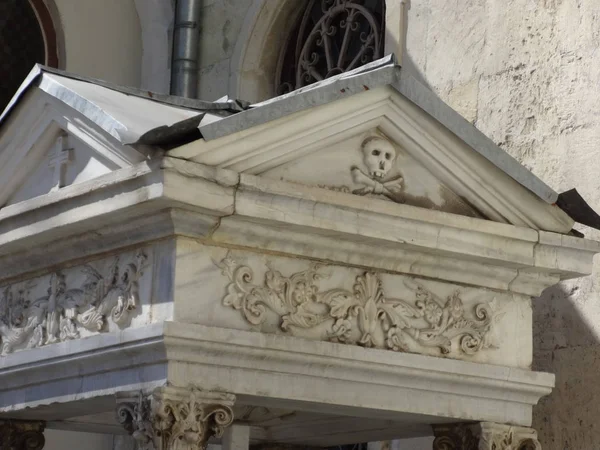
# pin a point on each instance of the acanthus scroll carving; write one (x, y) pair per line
(364, 315)
(63, 311)
(176, 418)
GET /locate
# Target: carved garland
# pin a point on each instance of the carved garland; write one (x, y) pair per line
(363, 316)
(61, 313)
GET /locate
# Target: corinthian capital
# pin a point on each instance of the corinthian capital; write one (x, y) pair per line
(176, 418)
(21, 435)
(484, 436)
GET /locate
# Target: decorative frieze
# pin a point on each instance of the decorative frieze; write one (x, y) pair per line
(484, 436)
(21, 435)
(363, 314)
(59, 306)
(176, 418)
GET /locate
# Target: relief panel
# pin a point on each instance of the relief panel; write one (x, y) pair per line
(99, 296)
(372, 165)
(270, 294)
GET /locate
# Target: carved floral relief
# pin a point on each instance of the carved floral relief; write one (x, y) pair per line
(362, 314)
(73, 300)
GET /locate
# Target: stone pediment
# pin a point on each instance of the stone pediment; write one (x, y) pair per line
(373, 134)
(370, 164)
(54, 147)
(379, 143)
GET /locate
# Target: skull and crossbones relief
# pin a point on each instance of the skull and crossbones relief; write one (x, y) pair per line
(379, 156)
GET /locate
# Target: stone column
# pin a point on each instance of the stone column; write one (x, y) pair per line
(21, 435)
(484, 436)
(175, 418)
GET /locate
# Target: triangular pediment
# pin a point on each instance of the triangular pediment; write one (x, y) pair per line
(46, 145)
(369, 164)
(337, 146)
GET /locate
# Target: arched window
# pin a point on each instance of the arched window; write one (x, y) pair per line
(331, 37)
(27, 37)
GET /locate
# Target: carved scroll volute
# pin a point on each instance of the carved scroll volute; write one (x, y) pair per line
(21, 435)
(484, 436)
(454, 437)
(176, 418)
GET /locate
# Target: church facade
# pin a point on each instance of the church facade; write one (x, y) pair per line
(313, 244)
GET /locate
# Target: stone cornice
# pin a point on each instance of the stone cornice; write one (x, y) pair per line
(270, 367)
(285, 218)
(77, 369)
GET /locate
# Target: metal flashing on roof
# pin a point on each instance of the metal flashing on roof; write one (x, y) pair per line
(375, 74)
(230, 106)
(429, 102)
(168, 121)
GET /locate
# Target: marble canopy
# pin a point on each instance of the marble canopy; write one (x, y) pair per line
(350, 262)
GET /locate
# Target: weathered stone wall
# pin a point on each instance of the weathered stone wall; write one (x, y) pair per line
(222, 21)
(526, 73)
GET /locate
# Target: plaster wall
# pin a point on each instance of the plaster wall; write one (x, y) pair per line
(526, 72)
(222, 22)
(102, 39)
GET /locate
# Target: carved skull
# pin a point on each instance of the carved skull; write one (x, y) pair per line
(379, 155)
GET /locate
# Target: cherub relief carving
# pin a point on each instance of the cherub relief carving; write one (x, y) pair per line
(379, 156)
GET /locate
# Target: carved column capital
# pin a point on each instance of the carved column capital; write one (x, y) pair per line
(21, 435)
(454, 437)
(484, 436)
(175, 418)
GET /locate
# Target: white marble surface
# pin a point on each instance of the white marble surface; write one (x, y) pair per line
(208, 280)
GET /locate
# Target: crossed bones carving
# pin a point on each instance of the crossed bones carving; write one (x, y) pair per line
(379, 156)
(391, 189)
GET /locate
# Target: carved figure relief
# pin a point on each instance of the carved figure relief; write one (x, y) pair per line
(65, 310)
(176, 418)
(363, 315)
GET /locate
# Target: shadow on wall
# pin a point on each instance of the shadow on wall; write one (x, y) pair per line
(409, 65)
(565, 344)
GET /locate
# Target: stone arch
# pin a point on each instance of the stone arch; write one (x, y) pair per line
(49, 21)
(102, 39)
(253, 65)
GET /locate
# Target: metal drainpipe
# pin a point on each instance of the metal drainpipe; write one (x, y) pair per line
(186, 42)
